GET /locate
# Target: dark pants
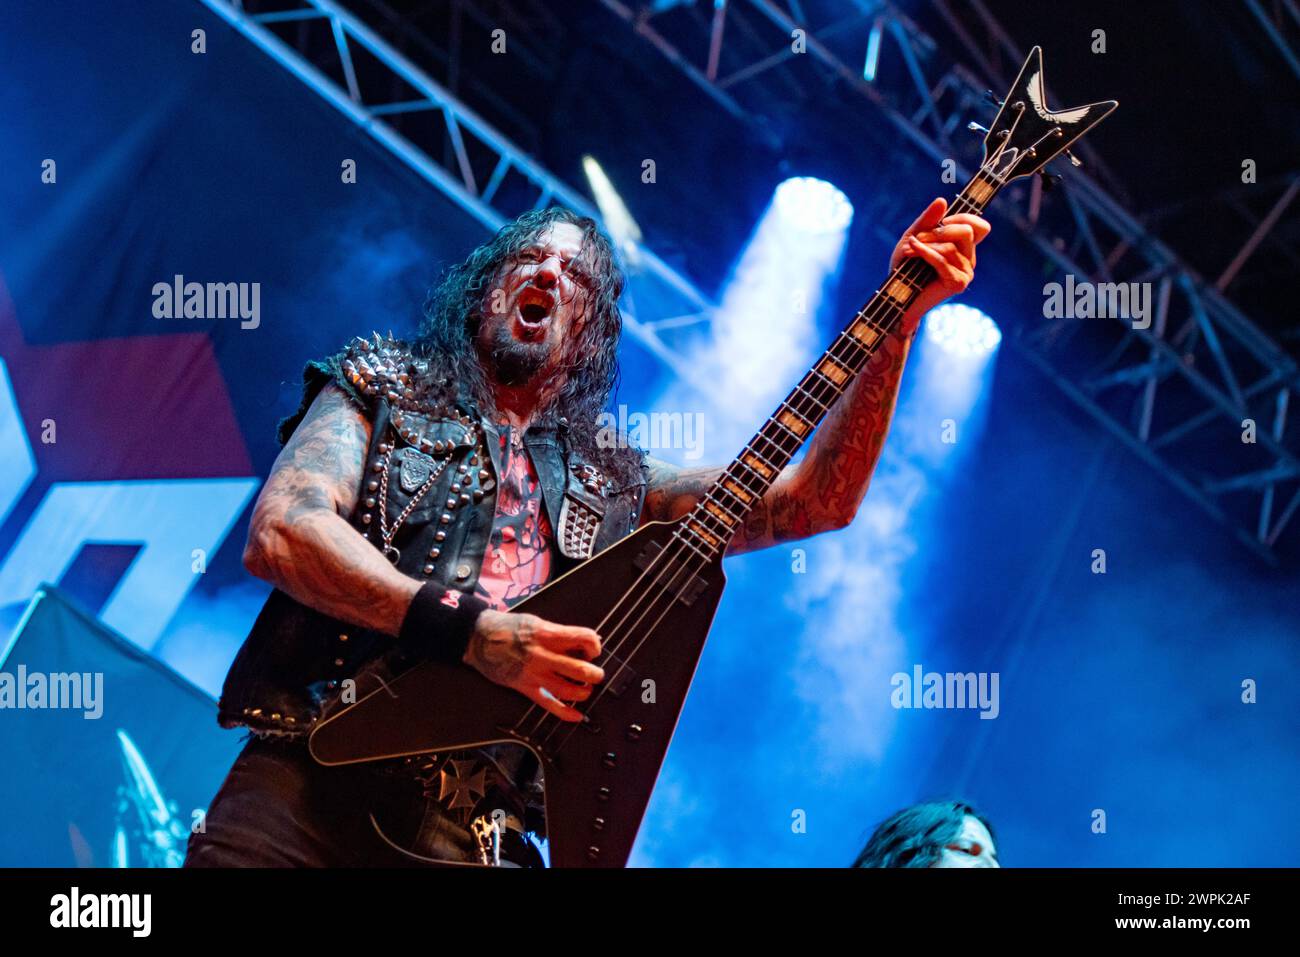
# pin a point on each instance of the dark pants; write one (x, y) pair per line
(279, 808)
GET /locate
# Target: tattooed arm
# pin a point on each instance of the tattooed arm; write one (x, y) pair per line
(299, 538)
(824, 490)
(820, 493)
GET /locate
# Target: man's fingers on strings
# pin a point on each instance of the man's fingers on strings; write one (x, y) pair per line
(951, 276)
(951, 252)
(962, 234)
(979, 225)
(568, 639)
(930, 217)
(567, 689)
(542, 696)
(575, 669)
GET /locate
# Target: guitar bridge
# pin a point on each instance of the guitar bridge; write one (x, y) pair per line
(684, 589)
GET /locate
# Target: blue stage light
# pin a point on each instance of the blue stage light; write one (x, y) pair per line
(962, 330)
(763, 333)
(813, 205)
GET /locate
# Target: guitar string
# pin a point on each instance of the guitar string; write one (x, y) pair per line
(961, 200)
(893, 314)
(910, 271)
(692, 563)
(820, 395)
(801, 393)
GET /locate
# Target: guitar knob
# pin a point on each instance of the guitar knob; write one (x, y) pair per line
(598, 824)
(609, 760)
(593, 853)
(633, 732)
(602, 794)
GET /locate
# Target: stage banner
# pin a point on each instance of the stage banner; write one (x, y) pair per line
(110, 757)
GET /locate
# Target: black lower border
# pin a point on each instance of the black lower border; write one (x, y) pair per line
(259, 907)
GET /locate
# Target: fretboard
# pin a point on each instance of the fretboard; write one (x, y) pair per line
(709, 527)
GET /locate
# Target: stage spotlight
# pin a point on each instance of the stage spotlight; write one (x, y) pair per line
(950, 380)
(873, 51)
(961, 330)
(618, 221)
(763, 332)
(813, 205)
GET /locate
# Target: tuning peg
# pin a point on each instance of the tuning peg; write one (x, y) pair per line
(1074, 160)
(992, 98)
(1049, 180)
(976, 128)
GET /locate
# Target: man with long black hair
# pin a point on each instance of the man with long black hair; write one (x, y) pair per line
(426, 487)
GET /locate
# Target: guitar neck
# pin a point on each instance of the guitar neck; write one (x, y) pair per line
(710, 525)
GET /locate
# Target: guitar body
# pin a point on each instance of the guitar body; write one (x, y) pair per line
(598, 775)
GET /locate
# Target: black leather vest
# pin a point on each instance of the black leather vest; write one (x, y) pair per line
(442, 461)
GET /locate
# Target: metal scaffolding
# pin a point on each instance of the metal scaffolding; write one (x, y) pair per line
(1281, 24)
(482, 171)
(1181, 393)
(1201, 395)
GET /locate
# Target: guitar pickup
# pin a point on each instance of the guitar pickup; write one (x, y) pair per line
(619, 677)
(684, 588)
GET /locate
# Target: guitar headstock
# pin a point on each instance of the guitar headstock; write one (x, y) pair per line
(1026, 134)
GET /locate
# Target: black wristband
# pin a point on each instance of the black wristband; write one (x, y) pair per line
(440, 621)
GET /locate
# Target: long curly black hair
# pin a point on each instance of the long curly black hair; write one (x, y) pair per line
(451, 323)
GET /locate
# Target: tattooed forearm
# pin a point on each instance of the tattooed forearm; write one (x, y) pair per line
(844, 452)
(298, 538)
(824, 490)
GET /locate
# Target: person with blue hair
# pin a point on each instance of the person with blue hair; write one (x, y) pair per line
(932, 834)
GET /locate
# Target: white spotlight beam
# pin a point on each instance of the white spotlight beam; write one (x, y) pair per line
(764, 330)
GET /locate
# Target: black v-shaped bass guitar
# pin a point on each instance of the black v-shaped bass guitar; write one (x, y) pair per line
(652, 596)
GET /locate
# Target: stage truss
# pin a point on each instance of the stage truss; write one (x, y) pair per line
(1182, 394)
(1186, 394)
(481, 170)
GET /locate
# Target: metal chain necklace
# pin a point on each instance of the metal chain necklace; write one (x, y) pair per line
(386, 533)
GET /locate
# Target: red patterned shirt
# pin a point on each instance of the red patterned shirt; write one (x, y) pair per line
(518, 557)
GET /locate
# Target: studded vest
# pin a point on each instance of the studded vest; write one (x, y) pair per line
(427, 501)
